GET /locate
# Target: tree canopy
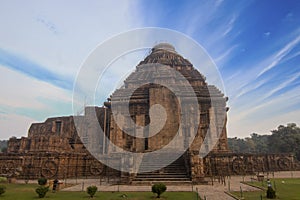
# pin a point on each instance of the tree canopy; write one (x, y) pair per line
(285, 139)
(3, 145)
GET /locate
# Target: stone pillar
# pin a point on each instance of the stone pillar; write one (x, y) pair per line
(140, 142)
(197, 170)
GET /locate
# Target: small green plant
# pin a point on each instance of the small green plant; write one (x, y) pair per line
(42, 181)
(271, 193)
(3, 179)
(42, 191)
(159, 188)
(2, 189)
(91, 190)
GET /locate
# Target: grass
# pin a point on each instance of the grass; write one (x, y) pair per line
(286, 188)
(27, 192)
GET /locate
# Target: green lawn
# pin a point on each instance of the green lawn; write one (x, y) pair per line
(286, 188)
(27, 192)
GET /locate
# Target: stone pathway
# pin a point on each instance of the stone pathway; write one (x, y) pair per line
(211, 192)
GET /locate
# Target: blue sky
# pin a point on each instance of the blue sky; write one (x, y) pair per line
(255, 44)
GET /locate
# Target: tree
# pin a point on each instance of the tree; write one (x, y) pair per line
(285, 139)
(261, 143)
(250, 145)
(4, 150)
(159, 188)
(3, 146)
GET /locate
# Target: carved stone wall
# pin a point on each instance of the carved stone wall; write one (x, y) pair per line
(243, 164)
(53, 165)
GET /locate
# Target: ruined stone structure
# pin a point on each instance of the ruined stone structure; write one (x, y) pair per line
(54, 149)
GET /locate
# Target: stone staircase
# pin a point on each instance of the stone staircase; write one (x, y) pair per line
(173, 174)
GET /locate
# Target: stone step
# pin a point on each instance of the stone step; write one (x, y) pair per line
(159, 165)
(174, 173)
(161, 176)
(166, 173)
(154, 162)
(175, 169)
(165, 182)
(161, 179)
(169, 166)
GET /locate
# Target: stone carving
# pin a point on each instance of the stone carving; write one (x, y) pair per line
(49, 169)
(8, 168)
(238, 166)
(242, 164)
(284, 163)
(96, 168)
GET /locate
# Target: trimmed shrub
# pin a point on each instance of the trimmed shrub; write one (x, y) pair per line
(91, 190)
(271, 193)
(2, 189)
(3, 179)
(159, 188)
(42, 191)
(42, 181)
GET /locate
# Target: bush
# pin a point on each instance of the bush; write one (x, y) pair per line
(91, 190)
(2, 189)
(42, 181)
(3, 179)
(159, 188)
(271, 194)
(42, 191)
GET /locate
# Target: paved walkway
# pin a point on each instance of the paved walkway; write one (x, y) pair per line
(211, 192)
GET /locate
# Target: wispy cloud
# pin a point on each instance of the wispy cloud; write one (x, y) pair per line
(230, 25)
(282, 85)
(251, 87)
(225, 54)
(253, 76)
(279, 55)
(32, 69)
(219, 2)
(276, 105)
(292, 56)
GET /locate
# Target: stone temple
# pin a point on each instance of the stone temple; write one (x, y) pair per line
(67, 147)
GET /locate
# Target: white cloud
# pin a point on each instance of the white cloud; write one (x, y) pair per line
(18, 90)
(230, 25)
(258, 118)
(282, 85)
(13, 125)
(243, 128)
(251, 78)
(19, 93)
(199, 16)
(279, 55)
(60, 35)
(225, 55)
